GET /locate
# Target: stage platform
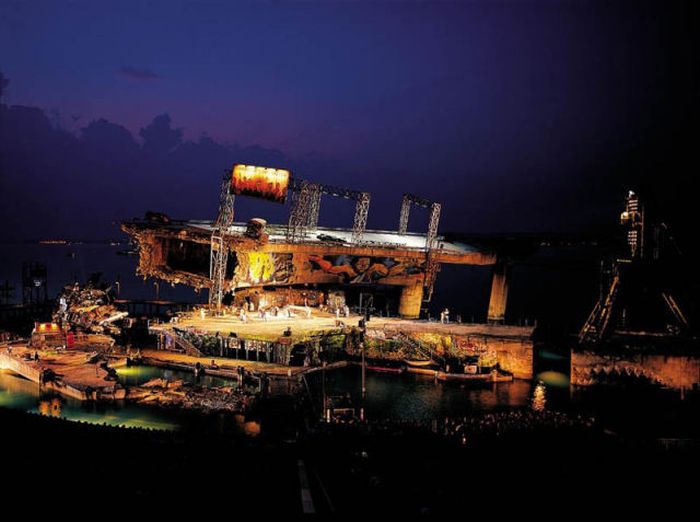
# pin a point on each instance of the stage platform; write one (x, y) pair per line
(272, 328)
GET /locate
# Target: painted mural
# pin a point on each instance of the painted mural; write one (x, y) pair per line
(270, 268)
(363, 269)
(257, 268)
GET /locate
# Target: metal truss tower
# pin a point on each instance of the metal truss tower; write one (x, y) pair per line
(360, 221)
(301, 213)
(306, 208)
(219, 251)
(432, 267)
(633, 218)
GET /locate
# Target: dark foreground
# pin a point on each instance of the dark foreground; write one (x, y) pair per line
(349, 469)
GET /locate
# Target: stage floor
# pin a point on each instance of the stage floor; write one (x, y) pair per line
(273, 327)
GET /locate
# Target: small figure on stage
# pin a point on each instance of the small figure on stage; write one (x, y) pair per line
(243, 316)
(445, 316)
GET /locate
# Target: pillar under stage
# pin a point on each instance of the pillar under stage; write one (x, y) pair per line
(411, 300)
(499, 293)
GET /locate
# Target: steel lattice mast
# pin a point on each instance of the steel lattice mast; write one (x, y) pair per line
(432, 267)
(219, 251)
(306, 208)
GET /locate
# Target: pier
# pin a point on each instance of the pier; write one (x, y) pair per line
(68, 373)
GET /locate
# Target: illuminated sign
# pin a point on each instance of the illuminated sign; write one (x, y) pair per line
(260, 182)
(47, 327)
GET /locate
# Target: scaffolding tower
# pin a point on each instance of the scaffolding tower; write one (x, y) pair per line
(306, 208)
(219, 250)
(432, 267)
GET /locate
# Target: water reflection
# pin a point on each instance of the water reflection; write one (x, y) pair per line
(51, 407)
(554, 379)
(418, 397)
(251, 428)
(539, 397)
(140, 374)
(19, 393)
(400, 397)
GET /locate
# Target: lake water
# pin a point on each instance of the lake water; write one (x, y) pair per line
(643, 412)
(19, 393)
(138, 375)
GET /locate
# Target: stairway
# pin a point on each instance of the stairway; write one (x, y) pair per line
(186, 346)
(598, 322)
(421, 349)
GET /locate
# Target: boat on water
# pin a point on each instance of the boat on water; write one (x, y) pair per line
(386, 369)
(493, 376)
(419, 362)
(422, 370)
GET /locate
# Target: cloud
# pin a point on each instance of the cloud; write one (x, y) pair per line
(135, 73)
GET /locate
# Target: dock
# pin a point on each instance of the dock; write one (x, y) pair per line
(68, 373)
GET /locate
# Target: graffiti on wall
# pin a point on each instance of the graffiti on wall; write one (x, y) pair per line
(363, 269)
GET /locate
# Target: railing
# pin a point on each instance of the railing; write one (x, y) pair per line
(186, 346)
(421, 349)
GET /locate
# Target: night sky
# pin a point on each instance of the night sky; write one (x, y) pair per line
(519, 116)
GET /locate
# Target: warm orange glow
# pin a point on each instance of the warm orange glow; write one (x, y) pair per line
(260, 182)
(42, 327)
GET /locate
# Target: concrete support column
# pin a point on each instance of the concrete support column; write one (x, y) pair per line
(499, 293)
(410, 301)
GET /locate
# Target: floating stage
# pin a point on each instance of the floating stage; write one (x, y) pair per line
(306, 340)
(283, 293)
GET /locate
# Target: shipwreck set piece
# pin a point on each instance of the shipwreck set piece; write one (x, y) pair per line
(299, 287)
(371, 268)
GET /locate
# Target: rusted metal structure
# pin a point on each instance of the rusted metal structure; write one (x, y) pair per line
(178, 252)
(636, 302)
(306, 208)
(224, 256)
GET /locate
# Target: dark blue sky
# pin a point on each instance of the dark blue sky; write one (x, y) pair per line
(519, 116)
